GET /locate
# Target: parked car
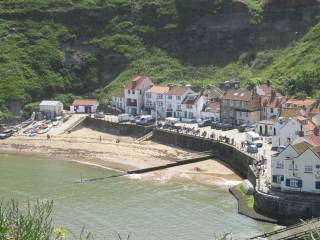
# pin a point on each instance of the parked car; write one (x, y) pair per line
(280, 148)
(204, 123)
(252, 148)
(253, 138)
(99, 115)
(214, 125)
(219, 126)
(145, 120)
(226, 127)
(170, 121)
(6, 133)
(246, 128)
(125, 117)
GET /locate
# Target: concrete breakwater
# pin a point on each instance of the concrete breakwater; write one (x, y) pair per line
(116, 128)
(237, 160)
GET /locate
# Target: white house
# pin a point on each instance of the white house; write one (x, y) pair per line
(134, 94)
(297, 168)
(155, 101)
(289, 129)
(118, 100)
(211, 111)
(174, 98)
(84, 106)
(192, 106)
(51, 108)
(266, 127)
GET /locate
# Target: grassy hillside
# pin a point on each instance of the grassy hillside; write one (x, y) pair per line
(59, 49)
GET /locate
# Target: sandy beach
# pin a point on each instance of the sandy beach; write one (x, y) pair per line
(84, 146)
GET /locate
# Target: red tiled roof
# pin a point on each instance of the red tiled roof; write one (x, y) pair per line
(158, 89)
(213, 107)
(177, 91)
(84, 102)
(135, 82)
(313, 139)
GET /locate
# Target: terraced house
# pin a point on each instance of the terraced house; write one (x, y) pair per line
(240, 106)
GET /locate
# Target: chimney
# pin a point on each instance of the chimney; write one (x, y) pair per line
(301, 133)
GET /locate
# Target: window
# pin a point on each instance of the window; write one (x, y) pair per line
(277, 178)
(240, 114)
(133, 91)
(159, 96)
(247, 114)
(317, 185)
(178, 97)
(148, 103)
(128, 91)
(170, 97)
(279, 165)
(140, 91)
(308, 169)
(271, 110)
(179, 107)
(190, 115)
(169, 106)
(160, 104)
(294, 183)
(189, 106)
(293, 165)
(317, 166)
(148, 95)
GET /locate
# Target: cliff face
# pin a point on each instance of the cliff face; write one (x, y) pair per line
(235, 26)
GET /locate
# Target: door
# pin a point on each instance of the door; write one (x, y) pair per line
(87, 109)
(266, 130)
(260, 130)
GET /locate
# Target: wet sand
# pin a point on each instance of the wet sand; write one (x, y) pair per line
(84, 146)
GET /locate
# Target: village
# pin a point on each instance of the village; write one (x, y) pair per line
(279, 133)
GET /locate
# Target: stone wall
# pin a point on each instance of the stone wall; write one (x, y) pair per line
(284, 206)
(228, 154)
(116, 128)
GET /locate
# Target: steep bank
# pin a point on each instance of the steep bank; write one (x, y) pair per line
(62, 49)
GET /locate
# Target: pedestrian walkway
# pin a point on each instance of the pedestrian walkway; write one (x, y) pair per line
(293, 232)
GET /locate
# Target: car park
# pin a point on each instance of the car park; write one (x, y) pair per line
(6, 133)
(204, 123)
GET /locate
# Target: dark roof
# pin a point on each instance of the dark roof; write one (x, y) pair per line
(213, 92)
(213, 107)
(191, 99)
(265, 89)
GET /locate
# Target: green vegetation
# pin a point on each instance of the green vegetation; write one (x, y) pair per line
(247, 196)
(70, 48)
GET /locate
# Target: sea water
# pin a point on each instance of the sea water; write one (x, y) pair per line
(144, 210)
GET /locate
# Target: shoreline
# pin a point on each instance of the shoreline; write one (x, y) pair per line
(121, 157)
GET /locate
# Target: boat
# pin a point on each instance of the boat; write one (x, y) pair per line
(32, 134)
(43, 131)
(56, 123)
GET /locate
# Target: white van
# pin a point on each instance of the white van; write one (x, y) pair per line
(171, 121)
(145, 120)
(253, 138)
(125, 117)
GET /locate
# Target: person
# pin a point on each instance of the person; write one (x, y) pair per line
(100, 139)
(48, 137)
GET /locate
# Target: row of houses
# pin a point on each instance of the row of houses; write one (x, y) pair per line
(229, 103)
(140, 96)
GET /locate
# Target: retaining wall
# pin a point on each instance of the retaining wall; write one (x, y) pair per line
(116, 128)
(228, 154)
(289, 205)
